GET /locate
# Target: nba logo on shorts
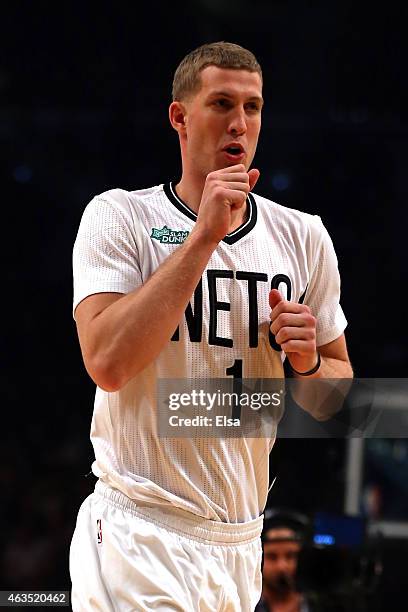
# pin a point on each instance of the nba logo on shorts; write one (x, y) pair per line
(99, 532)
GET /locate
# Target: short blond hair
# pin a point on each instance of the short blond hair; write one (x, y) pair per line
(221, 54)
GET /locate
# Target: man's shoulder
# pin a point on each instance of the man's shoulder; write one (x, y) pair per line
(289, 219)
(125, 198)
(284, 212)
(122, 205)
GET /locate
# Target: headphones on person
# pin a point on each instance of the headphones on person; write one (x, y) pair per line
(298, 523)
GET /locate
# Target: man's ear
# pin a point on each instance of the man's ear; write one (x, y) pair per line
(177, 116)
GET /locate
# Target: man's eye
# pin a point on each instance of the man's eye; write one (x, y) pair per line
(221, 102)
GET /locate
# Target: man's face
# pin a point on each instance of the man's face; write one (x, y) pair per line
(225, 112)
(280, 562)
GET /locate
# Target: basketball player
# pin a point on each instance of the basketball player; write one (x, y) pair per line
(174, 281)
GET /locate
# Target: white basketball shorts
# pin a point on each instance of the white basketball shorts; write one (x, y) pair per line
(126, 557)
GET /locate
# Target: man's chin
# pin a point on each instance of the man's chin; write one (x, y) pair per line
(282, 586)
(228, 163)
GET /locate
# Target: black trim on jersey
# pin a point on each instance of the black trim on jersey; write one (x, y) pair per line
(240, 232)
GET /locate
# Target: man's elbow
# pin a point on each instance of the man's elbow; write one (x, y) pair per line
(106, 375)
(348, 370)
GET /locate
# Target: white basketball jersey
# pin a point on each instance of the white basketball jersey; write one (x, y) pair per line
(123, 237)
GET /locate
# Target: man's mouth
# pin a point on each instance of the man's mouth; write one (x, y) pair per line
(234, 150)
(283, 583)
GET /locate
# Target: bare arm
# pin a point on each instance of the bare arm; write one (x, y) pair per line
(323, 400)
(121, 334)
(335, 362)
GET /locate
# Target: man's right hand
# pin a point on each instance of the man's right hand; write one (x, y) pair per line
(224, 195)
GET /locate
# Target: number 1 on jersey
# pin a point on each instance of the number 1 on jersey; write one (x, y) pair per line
(236, 371)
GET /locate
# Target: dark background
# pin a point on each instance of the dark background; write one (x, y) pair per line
(84, 95)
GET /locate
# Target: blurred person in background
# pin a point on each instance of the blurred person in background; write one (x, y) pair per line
(283, 537)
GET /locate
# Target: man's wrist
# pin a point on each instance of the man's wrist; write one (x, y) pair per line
(203, 238)
(312, 370)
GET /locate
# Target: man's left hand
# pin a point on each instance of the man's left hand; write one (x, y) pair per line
(294, 328)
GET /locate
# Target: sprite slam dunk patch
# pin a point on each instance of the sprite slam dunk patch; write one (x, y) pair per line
(169, 236)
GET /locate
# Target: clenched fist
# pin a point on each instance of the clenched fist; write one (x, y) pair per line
(294, 328)
(224, 194)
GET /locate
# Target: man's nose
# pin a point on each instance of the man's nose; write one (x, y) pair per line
(282, 566)
(238, 124)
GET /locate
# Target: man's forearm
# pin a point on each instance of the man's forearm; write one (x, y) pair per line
(332, 368)
(131, 332)
(324, 399)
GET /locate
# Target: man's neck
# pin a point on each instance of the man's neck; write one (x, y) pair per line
(191, 191)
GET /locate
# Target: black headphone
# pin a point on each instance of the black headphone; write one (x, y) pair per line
(287, 518)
